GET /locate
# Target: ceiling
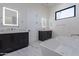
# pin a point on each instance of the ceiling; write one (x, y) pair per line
(50, 4)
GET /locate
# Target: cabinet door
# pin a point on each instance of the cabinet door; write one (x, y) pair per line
(49, 34)
(6, 43)
(20, 39)
(42, 35)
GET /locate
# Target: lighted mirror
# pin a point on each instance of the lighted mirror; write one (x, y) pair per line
(43, 22)
(10, 17)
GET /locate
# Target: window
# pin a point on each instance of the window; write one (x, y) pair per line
(66, 13)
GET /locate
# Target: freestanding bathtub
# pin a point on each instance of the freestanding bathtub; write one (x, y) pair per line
(61, 46)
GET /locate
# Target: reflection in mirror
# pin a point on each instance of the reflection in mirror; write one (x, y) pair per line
(10, 17)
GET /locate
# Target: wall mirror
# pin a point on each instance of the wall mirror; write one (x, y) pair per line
(10, 17)
(43, 22)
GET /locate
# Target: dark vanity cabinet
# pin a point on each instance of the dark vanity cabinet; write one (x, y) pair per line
(13, 41)
(44, 35)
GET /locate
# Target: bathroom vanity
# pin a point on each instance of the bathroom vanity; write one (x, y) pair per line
(13, 41)
(44, 35)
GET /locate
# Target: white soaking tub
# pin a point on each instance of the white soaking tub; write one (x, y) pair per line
(61, 46)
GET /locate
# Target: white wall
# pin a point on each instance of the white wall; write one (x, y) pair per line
(66, 26)
(35, 14)
(29, 18)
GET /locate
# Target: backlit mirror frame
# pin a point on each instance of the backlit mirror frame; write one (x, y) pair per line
(5, 8)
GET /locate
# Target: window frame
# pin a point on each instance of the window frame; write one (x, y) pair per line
(74, 6)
